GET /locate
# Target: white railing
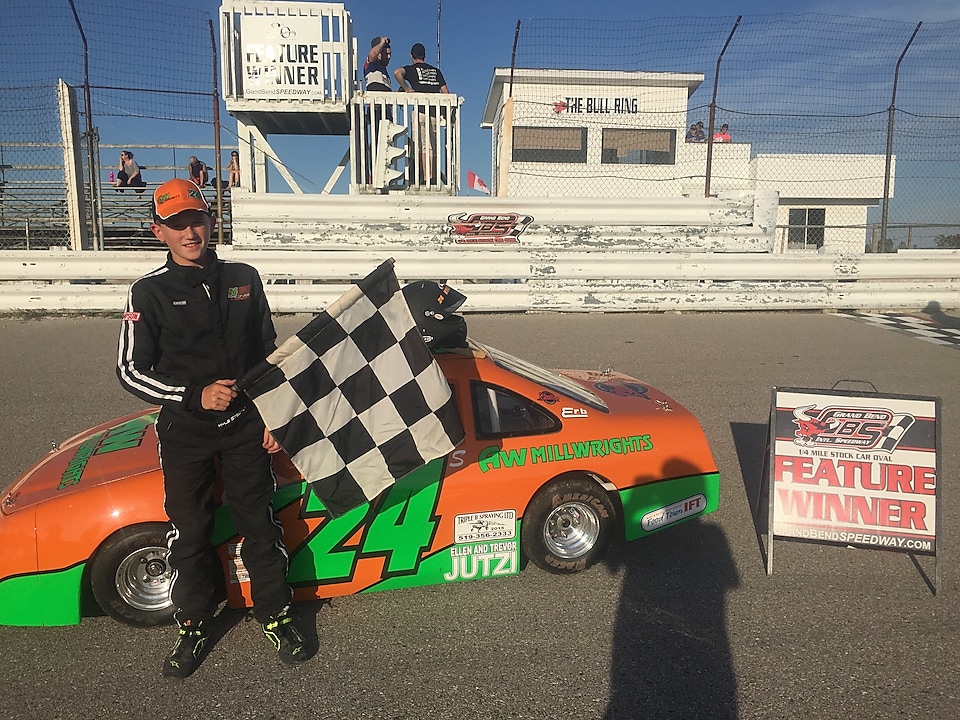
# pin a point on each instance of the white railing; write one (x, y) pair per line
(398, 221)
(521, 280)
(405, 141)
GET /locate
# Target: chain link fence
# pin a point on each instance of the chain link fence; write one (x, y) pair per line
(818, 86)
(842, 91)
(146, 70)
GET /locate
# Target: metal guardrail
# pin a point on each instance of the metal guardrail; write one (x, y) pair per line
(523, 280)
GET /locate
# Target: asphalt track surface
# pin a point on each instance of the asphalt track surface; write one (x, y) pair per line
(684, 624)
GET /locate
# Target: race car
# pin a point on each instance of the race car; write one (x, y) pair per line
(555, 464)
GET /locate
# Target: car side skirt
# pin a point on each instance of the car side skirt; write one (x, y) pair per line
(49, 599)
(655, 506)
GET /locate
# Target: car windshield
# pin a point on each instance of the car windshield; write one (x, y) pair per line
(547, 378)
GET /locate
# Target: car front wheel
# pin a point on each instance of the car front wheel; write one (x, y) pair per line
(130, 576)
(568, 525)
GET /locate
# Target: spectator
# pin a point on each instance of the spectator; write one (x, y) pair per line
(128, 173)
(376, 76)
(422, 77)
(722, 135)
(189, 329)
(695, 134)
(234, 169)
(198, 171)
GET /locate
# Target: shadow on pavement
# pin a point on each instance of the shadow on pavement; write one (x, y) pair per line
(935, 313)
(671, 654)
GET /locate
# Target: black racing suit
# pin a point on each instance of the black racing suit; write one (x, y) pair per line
(184, 328)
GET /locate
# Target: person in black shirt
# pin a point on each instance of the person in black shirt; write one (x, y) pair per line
(422, 77)
(191, 328)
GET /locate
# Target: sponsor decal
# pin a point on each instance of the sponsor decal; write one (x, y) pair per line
(483, 560)
(476, 527)
(122, 437)
(547, 397)
(662, 517)
(493, 458)
(74, 471)
(179, 303)
(237, 570)
(238, 293)
(132, 316)
(488, 228)
(663, 405)
(626, 389)
(570, 412)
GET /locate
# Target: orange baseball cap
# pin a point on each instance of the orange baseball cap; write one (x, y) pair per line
(177, 195)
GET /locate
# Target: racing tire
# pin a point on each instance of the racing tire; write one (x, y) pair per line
(131, 578)
(568, 525)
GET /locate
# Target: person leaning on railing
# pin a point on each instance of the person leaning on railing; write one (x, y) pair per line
(420, 76)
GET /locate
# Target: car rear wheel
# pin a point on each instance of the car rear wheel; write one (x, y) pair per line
(130, 576)
(568, 525)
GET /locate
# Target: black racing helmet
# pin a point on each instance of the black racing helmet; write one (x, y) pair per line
(432, 306)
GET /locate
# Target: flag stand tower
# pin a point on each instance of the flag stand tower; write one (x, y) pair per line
(291, 68)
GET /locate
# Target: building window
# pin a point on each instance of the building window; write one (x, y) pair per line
(639, 147)
(806, 227)
(550, 145)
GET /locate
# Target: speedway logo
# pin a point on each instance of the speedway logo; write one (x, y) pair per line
(850, 427)
(487, 228)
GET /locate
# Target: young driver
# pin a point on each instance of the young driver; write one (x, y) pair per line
(190, 329)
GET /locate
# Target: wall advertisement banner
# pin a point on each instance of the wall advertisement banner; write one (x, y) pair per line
(854, 469)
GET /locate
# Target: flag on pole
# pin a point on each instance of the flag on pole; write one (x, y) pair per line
(475, 183)
(355, 398)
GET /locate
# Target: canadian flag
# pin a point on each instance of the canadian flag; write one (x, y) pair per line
(475, 183)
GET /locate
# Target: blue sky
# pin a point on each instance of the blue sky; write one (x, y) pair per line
(477, 35)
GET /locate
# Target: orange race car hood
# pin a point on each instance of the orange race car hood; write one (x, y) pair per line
(117, 449)
(621, 393)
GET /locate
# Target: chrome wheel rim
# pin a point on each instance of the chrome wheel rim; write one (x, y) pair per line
(144, 578)
(571, 530)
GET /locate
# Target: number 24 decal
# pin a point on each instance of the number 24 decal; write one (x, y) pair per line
(399, 527)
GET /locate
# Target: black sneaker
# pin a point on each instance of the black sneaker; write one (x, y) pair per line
(286, 638)
(185, 655)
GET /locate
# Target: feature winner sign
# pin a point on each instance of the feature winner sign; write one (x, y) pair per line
(282, 57)
(856, 469)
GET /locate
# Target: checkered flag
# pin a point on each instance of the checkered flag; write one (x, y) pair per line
(899, 425)
(355, 398)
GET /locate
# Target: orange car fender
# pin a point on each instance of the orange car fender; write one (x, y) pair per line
(18, 532)
(71, 529)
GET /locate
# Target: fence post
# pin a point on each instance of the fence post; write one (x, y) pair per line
(713, 110)
(216, 136)
(90, 133)
(72, 167)
(890, 114)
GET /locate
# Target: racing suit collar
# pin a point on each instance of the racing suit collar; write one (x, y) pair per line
(195, 276)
